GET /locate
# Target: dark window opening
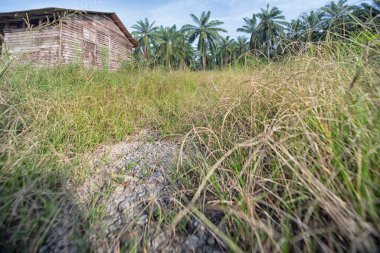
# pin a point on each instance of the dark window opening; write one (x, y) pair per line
(16, 25)
(2, 27)
(34, 23)
(44, 21)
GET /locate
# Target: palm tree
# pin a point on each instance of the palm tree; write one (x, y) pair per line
(250, 28)
(172, 48)
(146, 34)
(166, 50)
(312, 23)
(207, 32)
(225, 51)
(295, 29)
(270, 27)
(185, 52)
(336, 16)
(376, 3)
(241, 45)
(367, 12)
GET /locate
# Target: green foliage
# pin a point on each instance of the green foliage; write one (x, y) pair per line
(173, 49)
(250, 28)
(270, 28)
(287, 149)
(146, 35)
(207, 32)
(270, 36)
(105, 57)
(307, 157)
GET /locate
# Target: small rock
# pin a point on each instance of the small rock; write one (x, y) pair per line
(139, 188)
(142, 220)
(43, 249)
(208, 249)
(192, 243)
(201, 234)
(141, 194)
(124, 205)
(158, 241)
(211, 241)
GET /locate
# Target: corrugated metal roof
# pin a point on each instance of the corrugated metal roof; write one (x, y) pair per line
(52, 10)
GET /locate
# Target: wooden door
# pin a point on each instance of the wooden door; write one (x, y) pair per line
(89, 57)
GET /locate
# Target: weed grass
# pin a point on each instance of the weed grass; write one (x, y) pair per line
(288, 150)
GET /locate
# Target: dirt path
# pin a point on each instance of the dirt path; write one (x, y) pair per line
(131, 187)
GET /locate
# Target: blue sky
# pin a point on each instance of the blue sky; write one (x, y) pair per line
(175, 11)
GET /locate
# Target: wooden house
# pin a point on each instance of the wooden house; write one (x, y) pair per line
(52, 36)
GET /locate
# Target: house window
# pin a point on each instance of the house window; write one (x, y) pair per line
(2, 26)
(35, 23)
(89, 58)
(89, 35)
(16, 25)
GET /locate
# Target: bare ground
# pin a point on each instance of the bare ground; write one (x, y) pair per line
(131, 185)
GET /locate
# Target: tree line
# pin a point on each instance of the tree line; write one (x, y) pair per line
(201, 45)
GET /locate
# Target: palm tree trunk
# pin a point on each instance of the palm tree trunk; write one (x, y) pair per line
(202, 49)
(245, 61)
(204, 60)
(146, 45)
(251, 46)
(145, 53)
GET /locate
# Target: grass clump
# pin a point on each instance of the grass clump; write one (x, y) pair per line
(287, 151)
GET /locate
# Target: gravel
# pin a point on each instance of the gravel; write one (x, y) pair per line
(130, 178)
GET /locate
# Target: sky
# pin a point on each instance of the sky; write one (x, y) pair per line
(170, 12)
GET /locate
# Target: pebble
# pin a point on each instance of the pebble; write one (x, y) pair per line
(158, 241)
(208, 249)
(211, 241)
(191, 244)
(201, 234)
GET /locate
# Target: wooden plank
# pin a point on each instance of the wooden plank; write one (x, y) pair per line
(79, 37)
(60, 42)
(40, 46)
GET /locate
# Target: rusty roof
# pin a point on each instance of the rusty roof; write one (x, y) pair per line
(52, 10)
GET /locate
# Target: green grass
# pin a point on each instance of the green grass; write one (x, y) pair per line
(288, 151)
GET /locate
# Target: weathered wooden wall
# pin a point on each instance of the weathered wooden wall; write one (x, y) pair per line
(39, 46)
(93, 40)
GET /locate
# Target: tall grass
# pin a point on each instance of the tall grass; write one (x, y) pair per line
(287, 151)
(293, 163)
